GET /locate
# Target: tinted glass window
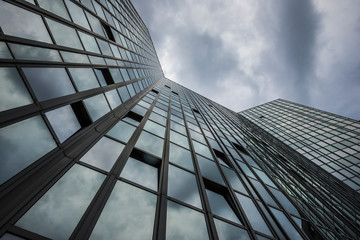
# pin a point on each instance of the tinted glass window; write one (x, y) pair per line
(179, 139)
(227, 231)
(4, 51)
(129, 213)
(84, 78)
(124, 94)
(89, 42)
(116, 75)
(55, 6)
(286, 224)
(24, 52)
(181, 157)
(60, 209)
(155, 128)
(64, 122)
(202, 149)
(182, 185)
(113, 98)
(32, 137)
(64, 35)
(19, 22)
(77, 14)
(141, 173)
(49, 83)
(150, 143)
(234, 180)
(97, 106)
(184, 223)
(219, 206)
(209, 169)
(74, 57)
(103, 154)
(122, 131)
(13, 92)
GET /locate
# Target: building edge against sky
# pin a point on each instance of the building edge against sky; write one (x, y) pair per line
(96, 143)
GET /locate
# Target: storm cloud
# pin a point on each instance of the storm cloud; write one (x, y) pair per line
(245, 53)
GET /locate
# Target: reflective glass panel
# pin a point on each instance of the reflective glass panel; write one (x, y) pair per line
(103, 154)
(184, 223)
(263, 193)
(219, 206)
(84, 78)
(150, 143)
(286, 224)
(177, 127)
(113, 98)
(116, 75)
(55, 6)
(4, 51)
(234, 180)
(181, 157)
(124, 94)
(155, 128)
(77, 14)
(141, 173)
(56, 214)
(18, 22)
(105, 48)
(97, 106)
(227, 231)
(289, 207)
(202, 149)
(253, 214)
(32, 137)
(89, 43)
(74, 57)
(8, 236)
(64, 35)
(122, 131)
(49, 83)
(24, 52)
(129, 213)
(264, 177)
(209, 170)
(64, 122)
(182, 185)
(157, 118)
(179, 139)
(13, 92)
(125, 74)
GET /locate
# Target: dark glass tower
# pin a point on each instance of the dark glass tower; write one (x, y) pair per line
(96, 143)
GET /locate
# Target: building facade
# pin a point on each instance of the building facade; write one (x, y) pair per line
(95, 143)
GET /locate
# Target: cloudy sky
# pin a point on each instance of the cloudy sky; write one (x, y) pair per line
(245, 53)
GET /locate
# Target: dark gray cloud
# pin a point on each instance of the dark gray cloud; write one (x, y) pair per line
(245, 53)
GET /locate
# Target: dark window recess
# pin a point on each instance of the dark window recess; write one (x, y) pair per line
(108, 31)
(134, 116)
(222, 157)
(175, 93)
(210, 105)
(195, 110)
(167, 86)
(106, 75)
(146, 158)
(81, 114)
(155, 91)
(261, 116)
(240, 148)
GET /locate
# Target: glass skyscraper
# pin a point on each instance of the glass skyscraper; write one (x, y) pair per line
(96, 143)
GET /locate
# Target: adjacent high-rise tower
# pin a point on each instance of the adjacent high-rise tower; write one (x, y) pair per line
(96, 143)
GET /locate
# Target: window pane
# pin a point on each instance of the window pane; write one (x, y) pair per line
(234, 180)
(254, 216)
(202, 149)
(84, 78)
(64, 35)
(155, 128)
(157, 118)
(124, 94)
(97, 106)
(24, 52)
(8, 236)
(4, 51)
(105, 48)
(13, 92)
(219, 206)
(227, 231)
(89, 42)
(64, 122)
(128, 214)
(116, 75)
(19, 22)
(184, 223)
(150, 143)
(21, 144)
(209, 170)
(179, 139)
(113, 98)
(141, 173)
(74, 57)
(55, 6)
(122, 131)
(182, 185)
(77, 14)
(49, 83)
(103, 154)
(125, 74)
(181, 157)
(289, 207)
(286, 224)
(56, 214)
(263, 193)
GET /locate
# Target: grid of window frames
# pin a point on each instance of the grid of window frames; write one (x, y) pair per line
(328, 140)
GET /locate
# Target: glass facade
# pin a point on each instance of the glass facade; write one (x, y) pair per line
(96, 143)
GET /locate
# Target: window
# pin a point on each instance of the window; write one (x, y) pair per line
(209, 170)
(122, 131)
(113, 98)
(108, 32)
(150, 143)
(89, 42)
(77, 14)
(13, 92)
(64, 35)
(49, 83)
(97, 106)
(24, 52)
(180, 156)
(57, 7)
(84, 78)
(104, 76)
